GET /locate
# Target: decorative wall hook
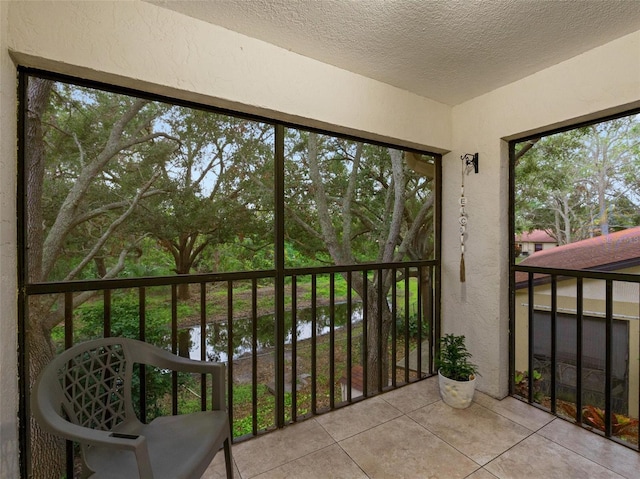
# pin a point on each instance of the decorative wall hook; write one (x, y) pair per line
(470, 159)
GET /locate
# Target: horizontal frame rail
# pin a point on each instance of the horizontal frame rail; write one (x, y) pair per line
(343, 343)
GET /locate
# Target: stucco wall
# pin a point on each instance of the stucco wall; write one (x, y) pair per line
(139, 45)
(8, 323)
(599, 82)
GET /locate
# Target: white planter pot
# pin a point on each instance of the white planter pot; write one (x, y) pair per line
(457, 394)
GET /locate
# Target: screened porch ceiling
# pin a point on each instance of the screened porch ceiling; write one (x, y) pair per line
(446, 50)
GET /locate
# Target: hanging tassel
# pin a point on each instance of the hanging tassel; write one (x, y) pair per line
(462, 272)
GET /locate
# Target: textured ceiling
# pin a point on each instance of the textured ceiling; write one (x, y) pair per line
(446, 50)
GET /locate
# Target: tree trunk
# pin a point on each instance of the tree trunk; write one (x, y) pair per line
(184, 292)
(101, 267)
(184, 342)
(377, 348)
(38, 93)
(47, 451)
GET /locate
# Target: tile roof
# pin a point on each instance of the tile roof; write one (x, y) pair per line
(610, 252)
(535, 236)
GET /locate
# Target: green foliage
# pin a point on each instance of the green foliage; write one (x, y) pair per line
(453, 361)
(522, 376)
(265, 414)
(125, 320)
(343, 192)
(153, 261)
(521, 384)
(581, 182)
(86, 129)
(242, 400)
(413, 327)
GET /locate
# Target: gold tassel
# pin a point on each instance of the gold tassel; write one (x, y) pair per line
(462, 273)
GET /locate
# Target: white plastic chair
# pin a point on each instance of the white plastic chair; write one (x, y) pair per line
(84, 395)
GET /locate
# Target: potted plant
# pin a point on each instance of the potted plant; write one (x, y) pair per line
(456, 373)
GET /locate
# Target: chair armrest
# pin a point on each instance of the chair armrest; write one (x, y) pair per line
(135, 443)
(148, 354)
(52, 422)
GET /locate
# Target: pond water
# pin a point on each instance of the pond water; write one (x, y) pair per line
(217, 337)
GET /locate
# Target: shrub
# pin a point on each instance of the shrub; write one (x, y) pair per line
(453, 361)
(413, 327)
(125, 320)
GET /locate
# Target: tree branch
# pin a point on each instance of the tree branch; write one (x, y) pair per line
(112, 227)
(143, 139)
(348, 202)
(397, 169)
(58, 316)
(527, 146)
(110, 207)
(324, 217)
(65, 218)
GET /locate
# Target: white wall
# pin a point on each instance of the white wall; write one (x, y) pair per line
(8, 305)
(602, 81)
(139, 45)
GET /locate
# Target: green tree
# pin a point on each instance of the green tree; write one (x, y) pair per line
(203, 206)
(348, 202)
(86, 144)
(360, 203)
(580, 183)
(545, 194)
(612, 161)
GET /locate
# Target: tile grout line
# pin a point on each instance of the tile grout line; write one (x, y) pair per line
(567, 448)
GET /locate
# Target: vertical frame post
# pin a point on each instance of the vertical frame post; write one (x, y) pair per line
(280, 274)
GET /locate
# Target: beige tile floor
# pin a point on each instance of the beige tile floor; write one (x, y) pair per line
(411, 433)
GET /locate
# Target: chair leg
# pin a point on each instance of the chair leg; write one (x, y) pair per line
(227, 458)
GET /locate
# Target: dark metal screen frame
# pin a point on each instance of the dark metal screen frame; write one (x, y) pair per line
(25, 289)
(555, 274)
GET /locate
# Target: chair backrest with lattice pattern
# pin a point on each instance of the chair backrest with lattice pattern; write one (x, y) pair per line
(95, 381)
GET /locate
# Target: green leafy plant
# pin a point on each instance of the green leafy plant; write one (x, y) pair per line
(521, 384)
(412, 327)
(453, 361)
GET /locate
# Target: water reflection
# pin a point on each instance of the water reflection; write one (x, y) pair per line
(217, 333)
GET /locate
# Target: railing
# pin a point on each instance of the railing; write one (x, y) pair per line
(574, 332)
(275, 374)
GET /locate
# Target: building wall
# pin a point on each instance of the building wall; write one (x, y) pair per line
(8, 305)
(625, 307)
(138, 45)
(530, 248)
(578, 89)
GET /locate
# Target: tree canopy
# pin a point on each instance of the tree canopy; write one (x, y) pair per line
(580, 183)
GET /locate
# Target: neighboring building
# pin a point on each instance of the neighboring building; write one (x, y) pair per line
(536, 240)
(616, 252)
